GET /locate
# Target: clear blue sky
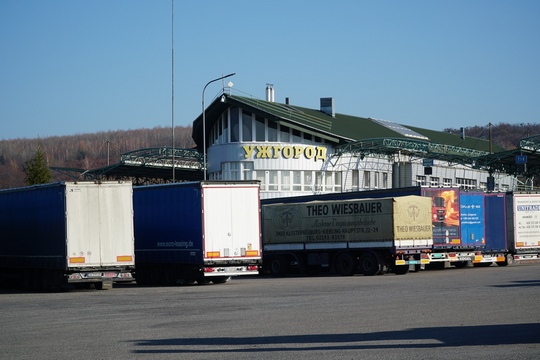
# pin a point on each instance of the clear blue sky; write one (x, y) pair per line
(73, 66)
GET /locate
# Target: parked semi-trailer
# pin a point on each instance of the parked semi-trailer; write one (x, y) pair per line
(367, 236)
(523, 214)
(66, 233)
(512, 228)
(448, 247)
(196, 231)
(495, 247)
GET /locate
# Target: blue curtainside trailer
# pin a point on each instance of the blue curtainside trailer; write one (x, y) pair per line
(203, 231)
(66, 233)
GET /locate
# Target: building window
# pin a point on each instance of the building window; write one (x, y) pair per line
(247, 126)
(466, 183)
(259, 129)
(433, 181)
(385, 180)
(272, 131)
(247, 170)
(215, 176)
(296, 136)
(328, 182)
(376, 180)
(308, 180)
(447, 182)
(367, 179)
(421, 180)
(273, 184)
(236, 171)
(260, 175)
(235, 125)
(284, 133)
(337, 181)
(225, 138)
(297, 180)
(285, 180)
(354, 180)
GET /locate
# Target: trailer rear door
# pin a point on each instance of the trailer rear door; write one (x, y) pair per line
(231, 221)
(99, 224)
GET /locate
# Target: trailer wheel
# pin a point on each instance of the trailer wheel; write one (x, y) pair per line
(460, 264)
(141, 278)
(279, 265)
(508, 260)
(401, 269)
(369, 264)
(346, 264)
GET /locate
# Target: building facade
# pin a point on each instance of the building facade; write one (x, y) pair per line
(298, 151)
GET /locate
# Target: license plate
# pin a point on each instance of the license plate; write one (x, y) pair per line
(93, 275)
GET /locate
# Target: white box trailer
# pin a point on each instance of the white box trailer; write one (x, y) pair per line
(523, 222)
(71, 232)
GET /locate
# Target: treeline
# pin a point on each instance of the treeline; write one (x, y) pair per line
(504, 135)
(83, 151)
(91, 151)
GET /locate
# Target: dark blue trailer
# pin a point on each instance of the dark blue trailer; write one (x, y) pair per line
(71, 232)
(205, 231)
(495, 247)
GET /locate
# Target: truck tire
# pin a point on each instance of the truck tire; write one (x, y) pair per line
(401, 269)
(369, 264)
(141, 278)
(509, 260)
(279, 265)
(346, 264)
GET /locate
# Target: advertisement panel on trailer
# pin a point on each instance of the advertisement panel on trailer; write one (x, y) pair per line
(444, 216)
(472, 219)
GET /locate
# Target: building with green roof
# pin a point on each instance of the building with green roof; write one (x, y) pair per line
(295, 150)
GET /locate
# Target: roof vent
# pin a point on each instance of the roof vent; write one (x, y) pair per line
(270, 92)
(327, 106)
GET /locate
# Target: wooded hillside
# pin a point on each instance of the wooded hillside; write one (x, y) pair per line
(83, 151)
(89, 151)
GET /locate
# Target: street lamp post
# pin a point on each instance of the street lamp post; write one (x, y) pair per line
(204, 118)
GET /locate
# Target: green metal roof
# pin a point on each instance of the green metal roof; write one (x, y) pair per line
(341, 128)
(360, 135)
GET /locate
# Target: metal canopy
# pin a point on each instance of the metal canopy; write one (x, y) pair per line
(148, 166)
(415, 148)
(503, 161)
